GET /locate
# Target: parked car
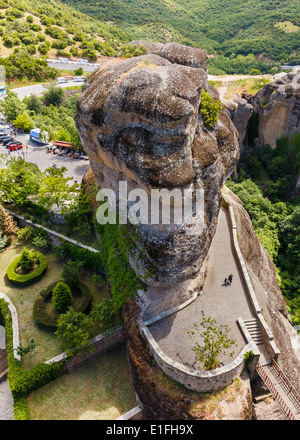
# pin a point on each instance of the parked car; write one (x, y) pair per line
(13, 144)
(8, 140)
(4, 138)
(15, 147)
(79, 78)
(82, 61)
(62, 80)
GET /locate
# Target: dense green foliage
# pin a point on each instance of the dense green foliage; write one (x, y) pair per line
(56, 29)
(116, 241)
(268, 27)
(21, 65)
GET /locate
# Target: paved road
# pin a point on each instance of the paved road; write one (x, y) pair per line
(36, 89)
(76, 168)
(225, 304)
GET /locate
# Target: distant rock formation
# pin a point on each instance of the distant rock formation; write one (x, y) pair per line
(139, 122)
(276, 108)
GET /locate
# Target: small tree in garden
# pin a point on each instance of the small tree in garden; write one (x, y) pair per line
(23, 350)
(71, 272)
(216, 340)
(27, 260)
(74, 331)
(62, 297)
(25, 233)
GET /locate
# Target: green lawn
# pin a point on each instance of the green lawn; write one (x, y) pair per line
(101, 389)
(47, 344)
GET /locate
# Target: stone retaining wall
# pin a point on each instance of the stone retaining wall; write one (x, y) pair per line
(99, 344)
(199, 380)
(265, 329)
(55, 237)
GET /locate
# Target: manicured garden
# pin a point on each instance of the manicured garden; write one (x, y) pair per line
(62, 298)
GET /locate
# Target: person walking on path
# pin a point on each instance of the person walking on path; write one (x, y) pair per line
(225, 282)
(230, 278)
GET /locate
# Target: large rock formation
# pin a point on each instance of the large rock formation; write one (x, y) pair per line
(139, 122)
(277, 105)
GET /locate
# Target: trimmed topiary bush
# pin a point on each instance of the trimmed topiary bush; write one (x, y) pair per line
(62, 297)
(27, 260)
(44, 313)
(29, 278)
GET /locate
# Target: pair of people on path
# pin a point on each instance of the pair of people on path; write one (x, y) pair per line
(228, 280)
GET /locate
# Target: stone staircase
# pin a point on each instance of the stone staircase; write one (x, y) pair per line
(253, 327)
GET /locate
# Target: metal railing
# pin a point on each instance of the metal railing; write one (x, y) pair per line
(286, 384)
(275, 392)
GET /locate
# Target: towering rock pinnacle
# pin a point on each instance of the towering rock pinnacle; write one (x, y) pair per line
(139, 122)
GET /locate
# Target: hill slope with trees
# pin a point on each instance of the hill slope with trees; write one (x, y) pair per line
(265, 28)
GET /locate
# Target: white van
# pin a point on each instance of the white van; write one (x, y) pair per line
(81, 61)
(63, 60)
(79, 78)
(62, 80)
(5, 129)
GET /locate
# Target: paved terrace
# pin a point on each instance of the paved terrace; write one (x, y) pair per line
(225, 304)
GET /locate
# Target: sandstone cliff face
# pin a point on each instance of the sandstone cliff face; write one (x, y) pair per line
(278, 107)
(139, 122)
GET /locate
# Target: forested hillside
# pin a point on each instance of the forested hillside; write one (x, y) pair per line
(50, 28)
(265, 28)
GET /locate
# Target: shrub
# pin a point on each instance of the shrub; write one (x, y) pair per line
(71, 272)
(46, 317)
(209, 109)
(4, 241)
(27, 260)
(79, 71)
(29, 278)
(25, 233)
(62, 297)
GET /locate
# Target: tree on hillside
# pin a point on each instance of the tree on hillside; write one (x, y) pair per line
(23, 122)
(54, 95)
(18, 180)
(56, 190)
(12, 106)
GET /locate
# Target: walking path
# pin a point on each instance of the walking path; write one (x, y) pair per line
(225, 304)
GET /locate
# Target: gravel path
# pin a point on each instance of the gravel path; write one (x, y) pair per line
(225, 304)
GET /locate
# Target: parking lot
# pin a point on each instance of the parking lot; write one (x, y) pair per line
(37, 154)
